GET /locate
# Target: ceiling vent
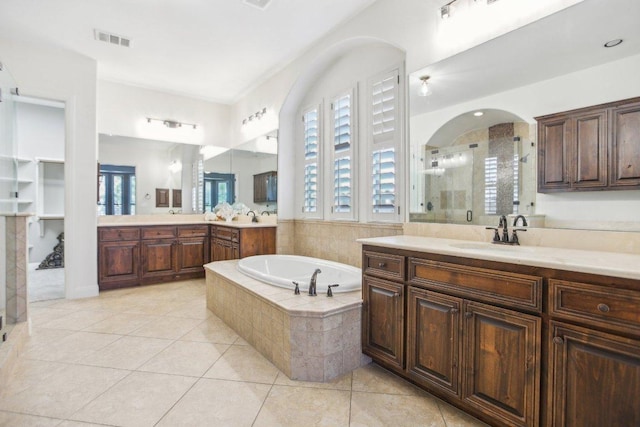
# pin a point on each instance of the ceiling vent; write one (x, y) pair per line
(260, 4)
(106, 37)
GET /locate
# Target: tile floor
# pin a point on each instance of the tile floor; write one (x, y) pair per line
(155, 356)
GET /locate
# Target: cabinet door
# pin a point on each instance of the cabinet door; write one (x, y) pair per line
(158, 258)
(383, 320)
(595, 378)
(193, 253)
(589, 154)
(625, 147)
(433, 339)
(223, 250)
(502, 362)
(119, 263)
(554, 136)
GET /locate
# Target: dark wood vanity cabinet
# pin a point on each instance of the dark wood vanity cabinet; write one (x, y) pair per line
(234, 243)
(477, 334)
(594, 148)
(383, 333)
(118, 257)
(134, 255)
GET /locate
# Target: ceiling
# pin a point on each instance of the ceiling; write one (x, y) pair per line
(566, 41)
(217, 50)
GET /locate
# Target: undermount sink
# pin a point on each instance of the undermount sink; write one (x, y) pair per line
(481, 246)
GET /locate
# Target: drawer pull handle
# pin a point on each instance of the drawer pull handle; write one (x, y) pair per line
(396, 294)
(604, 308)
(558, 340)
(454, 310)
(468, 315)
(382, 264)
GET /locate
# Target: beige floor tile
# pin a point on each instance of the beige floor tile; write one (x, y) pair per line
(78, 424)
(340, 383)
(150, 306)
(192, 310)
(374, 379)
(167, 327)
(186, 358)
(301, 406)
(42, 316)
(63, 392)
(41, 336)
(212, 330)
(10, 419)
(127, 353)
(78, 320)
(139, 400)
(71, 348)
(243, 363)
(456, 418)
(376, 409)
(214, 403)
(122, 323)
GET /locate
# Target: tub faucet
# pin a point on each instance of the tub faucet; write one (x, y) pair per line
(312, 283)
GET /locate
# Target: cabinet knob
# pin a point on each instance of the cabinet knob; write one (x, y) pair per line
(558, 340)
(382, 264)
(454, 310)
(604, 308)
(468, 315)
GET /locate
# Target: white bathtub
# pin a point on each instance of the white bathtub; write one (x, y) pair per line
(282, 270)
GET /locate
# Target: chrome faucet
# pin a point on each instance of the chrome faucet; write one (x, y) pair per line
(255, 218)
(312, 283)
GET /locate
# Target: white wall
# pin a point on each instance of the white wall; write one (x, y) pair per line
(608, 82)
(66, 76)
(123, 110)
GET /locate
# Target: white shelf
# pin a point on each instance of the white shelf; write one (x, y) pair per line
(20, 181)
(18, 201)
(46, 160)
(19, 159)
(50, 216)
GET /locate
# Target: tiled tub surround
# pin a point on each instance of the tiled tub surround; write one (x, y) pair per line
(307, 338)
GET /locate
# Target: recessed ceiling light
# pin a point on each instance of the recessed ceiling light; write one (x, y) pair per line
(260, 4)
(478, 113)
(613, 43)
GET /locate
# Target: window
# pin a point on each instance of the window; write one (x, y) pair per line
(218, 188)
(490, 185)
(117, 192)
(385, 147)
(342, 154)
(311, 140)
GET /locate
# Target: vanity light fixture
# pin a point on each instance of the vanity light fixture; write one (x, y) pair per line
(445, 11)
(424, 86)
(175, 166)
(172, 124)
(255, 116)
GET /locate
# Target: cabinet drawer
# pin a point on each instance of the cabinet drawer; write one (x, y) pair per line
(193, 231)
(513, 290)
(383, 265)
(227, 233)
(120, 233)
(158, 232)
(617, 309)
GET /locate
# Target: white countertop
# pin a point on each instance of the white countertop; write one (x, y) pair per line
(594, 262)
(141, 220)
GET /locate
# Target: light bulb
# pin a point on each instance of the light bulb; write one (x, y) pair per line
(424, 87)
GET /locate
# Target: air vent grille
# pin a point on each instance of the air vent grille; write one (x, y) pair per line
(107, 37)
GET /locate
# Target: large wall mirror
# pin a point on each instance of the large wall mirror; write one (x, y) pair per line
(132, 169)
(473, 138)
